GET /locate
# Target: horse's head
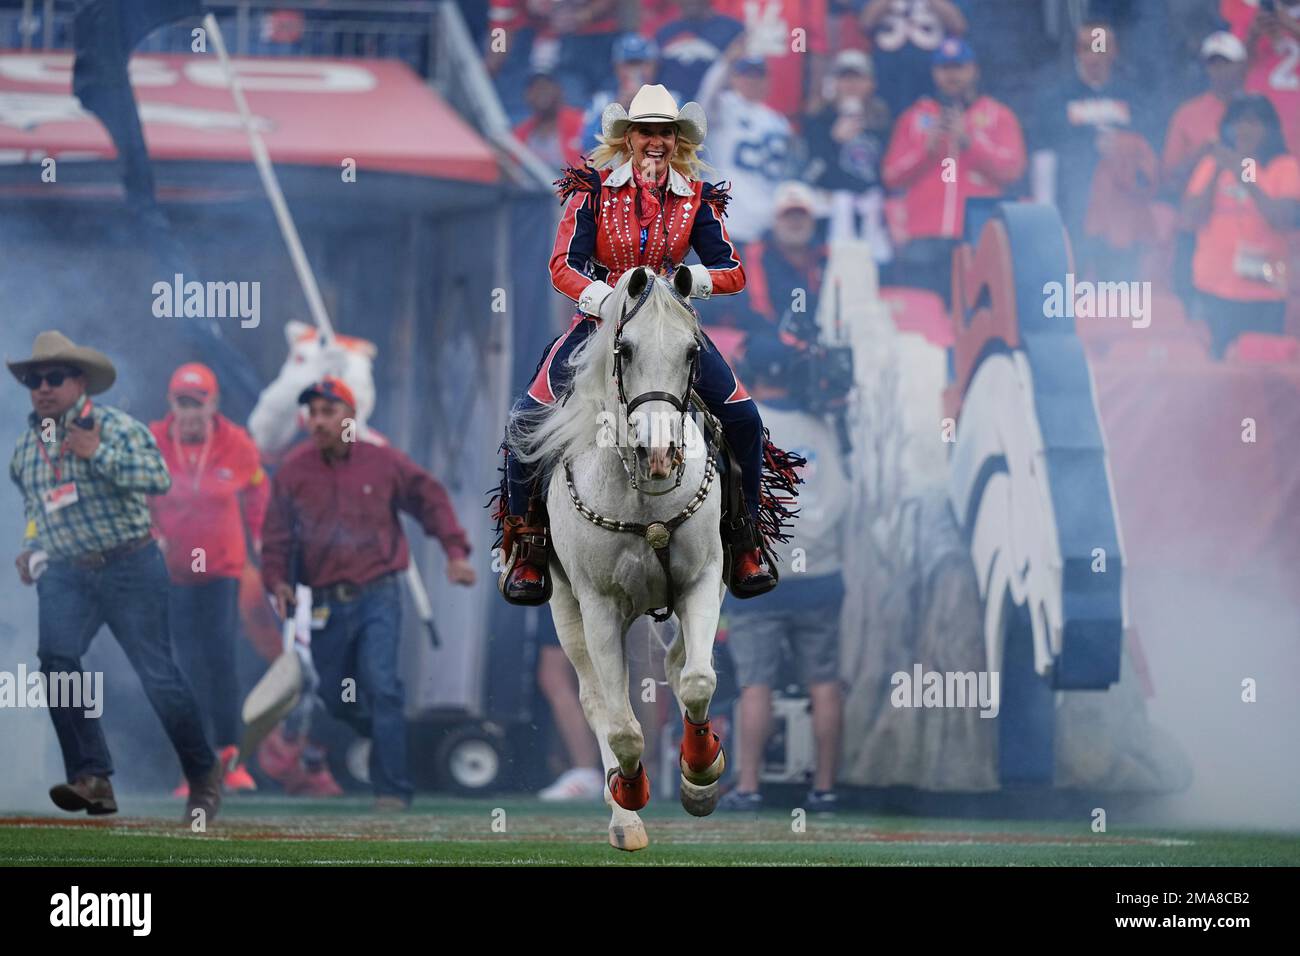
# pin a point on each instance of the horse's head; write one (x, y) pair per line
(657, 342)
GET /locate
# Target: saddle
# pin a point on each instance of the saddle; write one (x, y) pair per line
(526, 541)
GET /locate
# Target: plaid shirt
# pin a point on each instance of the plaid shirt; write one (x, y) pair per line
(111, 507)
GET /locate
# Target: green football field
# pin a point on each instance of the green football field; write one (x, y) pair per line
(509, 831)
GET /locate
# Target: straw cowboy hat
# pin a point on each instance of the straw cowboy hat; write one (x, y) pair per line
(654, 104)
(54, 347)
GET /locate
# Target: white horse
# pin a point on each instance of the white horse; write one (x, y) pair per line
(661, 479)
(276, 420)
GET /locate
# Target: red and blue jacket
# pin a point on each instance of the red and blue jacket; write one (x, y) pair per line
(600, 238)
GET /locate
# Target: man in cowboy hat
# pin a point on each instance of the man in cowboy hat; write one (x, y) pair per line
(336, 501)
(85, 471)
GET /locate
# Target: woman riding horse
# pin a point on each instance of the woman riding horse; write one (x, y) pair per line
(651, 210)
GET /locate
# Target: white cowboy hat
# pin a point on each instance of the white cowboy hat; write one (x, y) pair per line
(654, 104)
(55, 347)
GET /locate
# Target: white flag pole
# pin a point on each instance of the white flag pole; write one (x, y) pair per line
(262, 160)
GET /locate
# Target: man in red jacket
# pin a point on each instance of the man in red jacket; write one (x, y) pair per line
(336, 501)
(214, 465)
(948, 148)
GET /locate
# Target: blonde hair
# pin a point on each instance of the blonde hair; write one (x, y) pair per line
(685, 159)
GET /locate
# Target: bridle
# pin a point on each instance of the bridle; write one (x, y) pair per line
(681, 403)
(657, 533)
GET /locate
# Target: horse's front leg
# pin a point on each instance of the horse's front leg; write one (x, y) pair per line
(604, 628)
(690, 671)
(626, 831)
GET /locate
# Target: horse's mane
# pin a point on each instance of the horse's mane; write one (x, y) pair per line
(558, 432)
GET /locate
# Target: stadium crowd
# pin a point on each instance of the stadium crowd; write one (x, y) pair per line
(866, 101)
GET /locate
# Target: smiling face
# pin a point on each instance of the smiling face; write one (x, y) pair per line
(51, 401)
(652, 141)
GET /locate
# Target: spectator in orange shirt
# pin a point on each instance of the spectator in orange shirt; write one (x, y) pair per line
(946, 149)
(1243, 200)
(213, 464)
(1194, 132)
(554, 130)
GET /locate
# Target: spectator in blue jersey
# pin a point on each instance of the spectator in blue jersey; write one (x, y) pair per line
(904, 35)
(751, 144)
(691, 43)
(846, 141)
(805, 616)
(634, 65)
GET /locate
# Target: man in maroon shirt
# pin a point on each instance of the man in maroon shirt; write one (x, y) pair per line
(335, 501)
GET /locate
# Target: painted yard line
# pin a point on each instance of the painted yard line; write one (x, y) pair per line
(665, 835)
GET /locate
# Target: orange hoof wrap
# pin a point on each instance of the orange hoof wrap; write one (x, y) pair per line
(701, 753)
(630, 793)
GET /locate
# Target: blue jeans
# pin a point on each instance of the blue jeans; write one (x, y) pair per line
(360, 641)
(128, 594)
(205, 627)
(718, 386)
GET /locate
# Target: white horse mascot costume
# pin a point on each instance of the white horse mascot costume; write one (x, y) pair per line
(634, 524)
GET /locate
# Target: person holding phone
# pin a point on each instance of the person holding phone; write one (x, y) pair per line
(1243, 200)
(85, 472)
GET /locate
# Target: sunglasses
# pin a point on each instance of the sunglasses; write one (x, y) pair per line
(56, 378)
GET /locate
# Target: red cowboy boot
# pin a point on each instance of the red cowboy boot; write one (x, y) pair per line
(524, 541)
(750, 575)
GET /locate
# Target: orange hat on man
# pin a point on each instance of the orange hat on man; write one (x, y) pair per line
(195, 380)
(332, 388)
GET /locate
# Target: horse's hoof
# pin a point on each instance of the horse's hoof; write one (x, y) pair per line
(702, 778)
(700, 801)
(630, 793)
(628, 836)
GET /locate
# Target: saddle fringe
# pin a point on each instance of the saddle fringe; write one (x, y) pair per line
(777, 492)
(499, 501)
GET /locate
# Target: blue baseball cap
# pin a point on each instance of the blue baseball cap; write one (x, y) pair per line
(633, 48)
(953, 52)
(750, 64)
